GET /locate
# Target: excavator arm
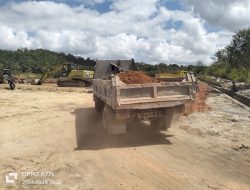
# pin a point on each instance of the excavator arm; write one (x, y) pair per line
(70, 75)
(49, 72)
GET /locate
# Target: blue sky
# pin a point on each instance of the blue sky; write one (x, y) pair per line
(153, 31)
(103, 6)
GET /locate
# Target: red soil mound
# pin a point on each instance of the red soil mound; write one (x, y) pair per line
(199, 104)
(136, 77)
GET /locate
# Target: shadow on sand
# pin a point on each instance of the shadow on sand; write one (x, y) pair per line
(91, 136)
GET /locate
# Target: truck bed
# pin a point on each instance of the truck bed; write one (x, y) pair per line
(142, 96)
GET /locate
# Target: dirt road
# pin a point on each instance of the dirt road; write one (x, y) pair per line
(39, 131)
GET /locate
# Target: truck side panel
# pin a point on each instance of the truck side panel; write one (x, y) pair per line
(104, 91)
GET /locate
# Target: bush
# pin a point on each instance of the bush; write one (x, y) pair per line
(241, 74)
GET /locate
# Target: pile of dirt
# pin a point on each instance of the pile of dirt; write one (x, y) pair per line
(136, 77)
(199, 104)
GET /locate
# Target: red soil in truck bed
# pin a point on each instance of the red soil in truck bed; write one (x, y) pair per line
(136, 77)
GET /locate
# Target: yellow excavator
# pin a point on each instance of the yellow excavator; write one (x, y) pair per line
(71, 76)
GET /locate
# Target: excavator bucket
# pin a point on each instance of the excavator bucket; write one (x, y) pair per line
(35, 82)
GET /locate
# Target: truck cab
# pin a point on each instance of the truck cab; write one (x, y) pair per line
(4, 73)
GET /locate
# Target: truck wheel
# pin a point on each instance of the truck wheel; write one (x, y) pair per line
(168, 117)
(98, 105)
(111, 124)
(12, 85)
(159, 123)
(163, 123)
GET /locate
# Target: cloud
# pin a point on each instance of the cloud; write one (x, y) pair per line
(140, 9)
(13, 40)
(228, 14)
(79, 2)
(141, 29)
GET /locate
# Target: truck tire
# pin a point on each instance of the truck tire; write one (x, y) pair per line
(98, 105)
(110, 124)
(163, 123)
(168, 117)
(69, 82)
(12, 85)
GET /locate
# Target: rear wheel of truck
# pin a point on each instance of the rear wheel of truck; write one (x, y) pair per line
(163, 123)
(168, 117)
(12, 85)
(97, 105)
(111, 124)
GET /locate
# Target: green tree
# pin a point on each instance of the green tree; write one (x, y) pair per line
(238, 52)
(233, 62)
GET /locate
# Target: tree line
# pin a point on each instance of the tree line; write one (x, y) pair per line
(39, 60)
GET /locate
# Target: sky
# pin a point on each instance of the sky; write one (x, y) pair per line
(153, 31)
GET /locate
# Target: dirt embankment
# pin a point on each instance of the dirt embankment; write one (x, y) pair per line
(136, 77)
(199, 104)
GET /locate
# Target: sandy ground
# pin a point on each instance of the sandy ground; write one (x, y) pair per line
(39, 131)
(50, 87)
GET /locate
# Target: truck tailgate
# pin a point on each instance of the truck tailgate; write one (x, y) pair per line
(153, 92)
(142, 96)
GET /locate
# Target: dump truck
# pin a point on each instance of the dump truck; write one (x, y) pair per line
(71, 76)
(119, 103)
